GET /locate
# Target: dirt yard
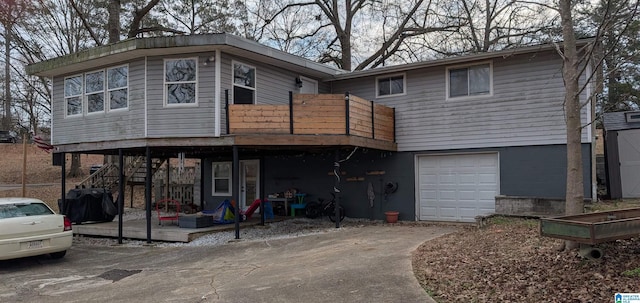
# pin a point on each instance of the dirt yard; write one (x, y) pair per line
(42, 177)
(506, 261)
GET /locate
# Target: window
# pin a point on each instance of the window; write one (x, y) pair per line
(244, 83)
(180, 81)
(94, 90)
(469, 81)
(388, 86)
(117, 87)
(221, 178)
(73, 95)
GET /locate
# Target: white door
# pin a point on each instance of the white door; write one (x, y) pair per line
(629, 150)
(457, 187)
(249, 182)
(309, 86)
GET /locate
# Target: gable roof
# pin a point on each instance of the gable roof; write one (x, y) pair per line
(618, 121)
(157, 46)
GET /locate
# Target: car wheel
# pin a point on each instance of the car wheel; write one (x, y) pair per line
(58, 255)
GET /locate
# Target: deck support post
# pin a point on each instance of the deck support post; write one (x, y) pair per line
(63, 177)
(290, 112)
(346, 113)
(120, 199)
(235, 174)
(262, 190)
(226, 109)
(373, 120)
(336, 187)
(147, 192)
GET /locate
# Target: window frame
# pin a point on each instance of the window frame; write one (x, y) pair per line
(165, 83)
(109, 90)
(467, 66)
(404, 85)
(214, 178)
(67, 97)
(233, 82)
(85, 96)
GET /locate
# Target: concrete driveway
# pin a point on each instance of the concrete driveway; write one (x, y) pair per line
(367, 264)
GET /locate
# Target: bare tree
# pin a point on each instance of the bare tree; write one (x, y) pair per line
(11, 12)
(576, 64)
(353, 21)
(491, 25)
(203, 16)
(622, 62)
(138, 22)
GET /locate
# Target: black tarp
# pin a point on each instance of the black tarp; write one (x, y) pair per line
(88, 205)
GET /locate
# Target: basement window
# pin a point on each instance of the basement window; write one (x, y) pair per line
(221, 175)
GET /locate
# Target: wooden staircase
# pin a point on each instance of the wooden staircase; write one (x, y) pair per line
(135, 173)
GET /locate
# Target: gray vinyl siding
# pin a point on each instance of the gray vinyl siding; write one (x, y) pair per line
(180, 121)
(273, 84)
(104, 126)
(524, 109)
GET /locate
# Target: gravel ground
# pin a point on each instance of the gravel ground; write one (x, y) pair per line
(290, 228)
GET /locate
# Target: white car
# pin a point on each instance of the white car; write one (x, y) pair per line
(29, 227)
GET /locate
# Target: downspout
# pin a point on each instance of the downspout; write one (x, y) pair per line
(593, 136)
(217, 92)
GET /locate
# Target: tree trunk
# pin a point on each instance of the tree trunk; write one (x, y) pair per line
(114, 21)
(575, 189)
(75, 170)
(6, 121)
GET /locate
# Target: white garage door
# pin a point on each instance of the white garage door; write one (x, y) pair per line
(629, 149)
(457, 187)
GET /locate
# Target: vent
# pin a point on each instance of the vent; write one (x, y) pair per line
(633, 117)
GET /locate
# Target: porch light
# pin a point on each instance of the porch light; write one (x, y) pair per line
(210, 59)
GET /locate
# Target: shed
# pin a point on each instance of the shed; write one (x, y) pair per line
(622, 153)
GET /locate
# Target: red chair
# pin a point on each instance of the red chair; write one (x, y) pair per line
(168, 205)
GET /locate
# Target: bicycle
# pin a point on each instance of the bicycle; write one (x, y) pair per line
(324, 208)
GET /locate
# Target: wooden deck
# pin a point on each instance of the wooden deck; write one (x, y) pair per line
(314, 120)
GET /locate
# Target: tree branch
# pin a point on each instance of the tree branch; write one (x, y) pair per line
(85, 23)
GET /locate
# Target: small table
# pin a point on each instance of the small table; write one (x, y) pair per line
(286, 202)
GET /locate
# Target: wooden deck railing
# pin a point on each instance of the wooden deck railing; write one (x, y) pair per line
(310, 114)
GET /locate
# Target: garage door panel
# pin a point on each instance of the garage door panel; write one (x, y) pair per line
(487, 178)
(487, 195)
(429, 178)
(467, 178)
(466, 186)
(448, 212)
(447, 179)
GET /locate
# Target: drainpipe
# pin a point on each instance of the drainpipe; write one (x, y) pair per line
(217, 89)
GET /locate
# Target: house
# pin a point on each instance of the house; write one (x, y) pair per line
(622, 154)
(435, 140)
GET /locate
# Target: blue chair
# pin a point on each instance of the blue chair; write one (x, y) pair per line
(299, 205)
